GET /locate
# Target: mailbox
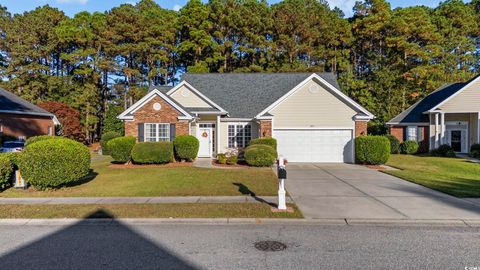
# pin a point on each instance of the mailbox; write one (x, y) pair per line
(282, 173)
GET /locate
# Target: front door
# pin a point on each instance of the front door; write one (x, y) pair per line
(456, 140)
(206, 141)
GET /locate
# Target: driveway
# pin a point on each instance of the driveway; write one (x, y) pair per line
(356, 192)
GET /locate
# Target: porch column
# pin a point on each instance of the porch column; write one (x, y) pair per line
(436, 130)
(442, 126)
(478, 127)
(217, 137)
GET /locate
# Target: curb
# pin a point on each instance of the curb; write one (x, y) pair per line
(241, 221)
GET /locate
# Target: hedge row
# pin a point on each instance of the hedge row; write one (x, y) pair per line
(6, 170)
(266, 141)
(107, 137)
(260, 155)
(41, 138)
(152, 153)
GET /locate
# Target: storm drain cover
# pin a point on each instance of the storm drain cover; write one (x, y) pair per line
(270, 246)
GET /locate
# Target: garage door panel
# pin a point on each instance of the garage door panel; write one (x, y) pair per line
(315, 145)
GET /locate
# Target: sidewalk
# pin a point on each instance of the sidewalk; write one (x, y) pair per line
(141, 200)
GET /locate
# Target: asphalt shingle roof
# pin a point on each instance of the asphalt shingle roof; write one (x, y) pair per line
(244, 95)
(414, 114)
(14, 103)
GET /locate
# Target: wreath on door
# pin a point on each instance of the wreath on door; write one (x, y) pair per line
(205, 134)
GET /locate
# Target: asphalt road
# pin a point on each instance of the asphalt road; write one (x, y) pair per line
(119, 246)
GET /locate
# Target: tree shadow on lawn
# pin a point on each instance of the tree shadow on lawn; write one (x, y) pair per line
(246, 191)
(93, 245)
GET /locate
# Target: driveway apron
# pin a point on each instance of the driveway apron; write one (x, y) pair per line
(327, 191)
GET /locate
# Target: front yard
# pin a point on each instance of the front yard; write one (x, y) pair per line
(105, 181)
(454, 176)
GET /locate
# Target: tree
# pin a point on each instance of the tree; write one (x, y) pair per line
(111, 122)
(69, 119)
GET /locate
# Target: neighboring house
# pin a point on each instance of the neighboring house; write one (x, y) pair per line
(22, 119)
(449, 115)
(312, 120)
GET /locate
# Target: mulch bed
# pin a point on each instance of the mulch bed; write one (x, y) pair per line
(226, 166)
(135, 166)
(375, 167)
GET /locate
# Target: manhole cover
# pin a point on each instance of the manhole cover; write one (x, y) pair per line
(270, 246)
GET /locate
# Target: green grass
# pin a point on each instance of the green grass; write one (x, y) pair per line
(454, 176)
(200, 210)
(173, 181)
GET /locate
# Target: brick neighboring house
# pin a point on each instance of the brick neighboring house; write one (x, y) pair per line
(312, 120)
(449, 115)
(20, 118)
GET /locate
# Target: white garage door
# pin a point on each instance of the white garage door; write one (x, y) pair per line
(315, 145)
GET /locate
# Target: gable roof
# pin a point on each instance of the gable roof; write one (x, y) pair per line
(415, 114)
(11, 103)
(128, 114)
(244, 95)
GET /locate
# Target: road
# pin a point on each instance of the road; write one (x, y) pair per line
(169, 246)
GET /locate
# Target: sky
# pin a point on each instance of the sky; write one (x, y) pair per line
(70, 7)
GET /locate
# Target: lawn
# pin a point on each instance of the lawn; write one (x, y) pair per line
(174, 181)
(454, 176)
(185, 210)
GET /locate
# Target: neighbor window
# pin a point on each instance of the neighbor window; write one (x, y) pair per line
(239, 135)
(155, 132)
(412, 133)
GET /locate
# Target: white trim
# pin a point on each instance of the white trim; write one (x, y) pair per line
(236, 119)
(328, 85)
(217, 126)
(209, 113)
(235, 124)
(465, 129)
(314, 128)
(478, 127)
(185, 83)
(455, 94)
(147, 98)
(408, 124)
(157, 137)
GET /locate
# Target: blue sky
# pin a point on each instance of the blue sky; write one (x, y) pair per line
(70, 7)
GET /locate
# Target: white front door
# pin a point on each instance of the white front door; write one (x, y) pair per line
(206, 141)
(457, 136)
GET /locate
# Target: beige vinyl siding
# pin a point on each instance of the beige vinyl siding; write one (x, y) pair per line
(191, 100)
(312, 109)
(223, 134)
(468, 100)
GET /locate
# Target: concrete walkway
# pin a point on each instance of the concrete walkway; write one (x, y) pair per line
(347, 191)
(203, 163)
(137, 200)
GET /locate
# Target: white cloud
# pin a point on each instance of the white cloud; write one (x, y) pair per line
(81, 2)
(177, 7)
(345, 5)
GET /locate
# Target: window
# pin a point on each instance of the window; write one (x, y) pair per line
(239, 135)
(157, 132)
(412, 133)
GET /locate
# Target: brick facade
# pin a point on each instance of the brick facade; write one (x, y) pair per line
(399, 133)
(146, 114)
(25, 125)
(361, 128)
(265, 128)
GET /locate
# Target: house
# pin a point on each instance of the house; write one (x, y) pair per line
(20, 118)
(449, 115)
(312, 120)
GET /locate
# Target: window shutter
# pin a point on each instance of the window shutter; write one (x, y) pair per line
(172, 132)
(140, 135)
(405, 133)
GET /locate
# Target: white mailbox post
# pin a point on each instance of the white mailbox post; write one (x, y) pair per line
(282, 175)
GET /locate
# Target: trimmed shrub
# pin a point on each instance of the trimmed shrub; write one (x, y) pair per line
(372, 150)
(394, 144)
(152, 152)
(14, 158)
(409, 147)
(6, 170)
(260, 155)
(266, 141)
(475, 147)
(107, 136)
(186, 147)
(120, 148)
(53, 163)
(451, 154)
(232, 160)
(474, 154)
(222, 158)
(443, 150)
(41, 138)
